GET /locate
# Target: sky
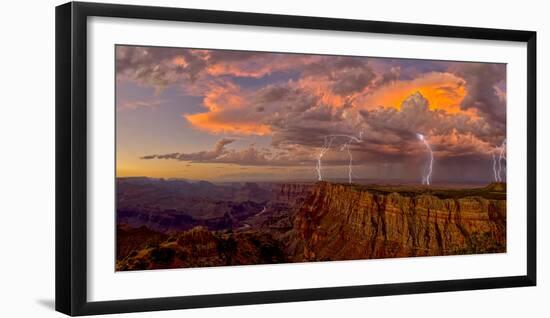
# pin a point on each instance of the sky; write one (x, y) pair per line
(223, 115)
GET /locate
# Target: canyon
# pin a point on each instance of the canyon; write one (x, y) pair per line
(302, 222)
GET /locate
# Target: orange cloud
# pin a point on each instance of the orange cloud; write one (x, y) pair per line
(231, 110)
(219, 97)
(225, 113)
(442, 90)
(180, 61)
(214, 122)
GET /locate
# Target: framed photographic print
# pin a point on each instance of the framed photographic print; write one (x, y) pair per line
(208, 158)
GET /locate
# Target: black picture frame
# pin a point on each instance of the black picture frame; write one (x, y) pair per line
(71, 157)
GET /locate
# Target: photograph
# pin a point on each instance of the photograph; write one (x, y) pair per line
(233, 157)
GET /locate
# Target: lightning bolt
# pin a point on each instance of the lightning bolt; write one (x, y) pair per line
(501, 156)
(426, 179)
(350, 164)
(497, 177)
(329, 139)
(498, 169)
(324, 149)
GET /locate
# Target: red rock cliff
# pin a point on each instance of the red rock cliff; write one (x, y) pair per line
(338, 222)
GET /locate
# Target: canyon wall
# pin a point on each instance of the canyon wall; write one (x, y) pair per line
(339, 222)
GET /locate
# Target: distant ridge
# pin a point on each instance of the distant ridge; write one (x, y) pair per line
(496, 187)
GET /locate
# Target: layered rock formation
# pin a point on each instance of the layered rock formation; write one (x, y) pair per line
(339, 222)
(329, 221)
(291, 193)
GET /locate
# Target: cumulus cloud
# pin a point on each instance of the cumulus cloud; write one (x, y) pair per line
(254, 64)
(444, 90)
(485, 83)
(158, 67)
(450, 134)
(339, 75)
(197, 69)
(228, 111)
(459, 107)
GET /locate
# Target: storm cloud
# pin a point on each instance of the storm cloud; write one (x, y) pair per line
(297, 100)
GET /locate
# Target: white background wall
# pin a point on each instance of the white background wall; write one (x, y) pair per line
(27, 158)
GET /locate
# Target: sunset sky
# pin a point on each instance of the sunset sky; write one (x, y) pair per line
(236, 115)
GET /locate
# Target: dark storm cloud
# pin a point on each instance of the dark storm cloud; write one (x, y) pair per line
(482, 80)
(158, 67)
(251, 155)
(331, 95)
(201, 156)
(415, 116)
(345, 75)
(450, 134)
(388, 77)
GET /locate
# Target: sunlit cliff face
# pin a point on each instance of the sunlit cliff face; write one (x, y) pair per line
(229, 114)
